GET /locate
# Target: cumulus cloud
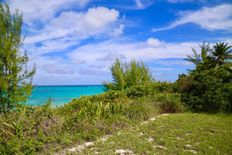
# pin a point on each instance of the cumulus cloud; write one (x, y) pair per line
(77, 25)
(56, 27)
(154, 42)
(41, 11)
(209, 18)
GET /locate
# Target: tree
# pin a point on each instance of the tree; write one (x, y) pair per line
(15, 79)
(222, 53)
(117, 71)
(126, 75)
(199, 58)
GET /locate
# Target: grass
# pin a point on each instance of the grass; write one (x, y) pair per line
(173, 134)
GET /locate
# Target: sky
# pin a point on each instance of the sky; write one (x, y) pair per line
(74, 42)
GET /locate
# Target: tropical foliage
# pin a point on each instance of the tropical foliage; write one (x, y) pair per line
(208, 87)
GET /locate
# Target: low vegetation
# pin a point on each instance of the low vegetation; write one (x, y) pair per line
(46, 129)
(173, 134)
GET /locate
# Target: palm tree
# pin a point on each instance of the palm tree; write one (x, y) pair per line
(222, 53)
(199, 58)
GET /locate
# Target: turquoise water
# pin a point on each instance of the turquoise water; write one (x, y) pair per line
(61, 94)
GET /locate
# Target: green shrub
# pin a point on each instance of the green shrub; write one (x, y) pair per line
(26, 129)
(138, 111)
(169, 103)
(114, 94)
(149, 89)
(126, 75)
(138, 91)
(228, 89)
(206, 91)
(99, 110)
(163, 87)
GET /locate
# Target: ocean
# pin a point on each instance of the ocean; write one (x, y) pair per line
(61, 94)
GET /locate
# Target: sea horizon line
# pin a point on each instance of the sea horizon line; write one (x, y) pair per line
(69, 85)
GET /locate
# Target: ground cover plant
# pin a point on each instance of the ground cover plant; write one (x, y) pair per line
(184, 133)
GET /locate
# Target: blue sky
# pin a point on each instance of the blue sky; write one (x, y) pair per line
(76, 41)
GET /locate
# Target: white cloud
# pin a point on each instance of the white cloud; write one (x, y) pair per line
(78, 25)
(154, 42)
(209, 18)
(35, 10)
(110, 50)
(65, 32)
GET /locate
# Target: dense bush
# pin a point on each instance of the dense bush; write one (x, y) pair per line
(228, 95)
(207, 88)
(207, 91)
(169, 103)
(149, 89)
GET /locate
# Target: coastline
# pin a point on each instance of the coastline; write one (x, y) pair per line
(62, 94)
